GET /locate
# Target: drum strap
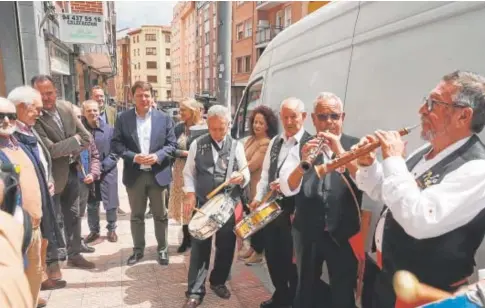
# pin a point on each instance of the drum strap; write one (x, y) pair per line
(231, 160)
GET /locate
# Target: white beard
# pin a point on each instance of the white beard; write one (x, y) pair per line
(7, 131)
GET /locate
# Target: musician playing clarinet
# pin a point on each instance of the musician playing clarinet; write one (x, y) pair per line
(434, 218)
(211, 158)
(326, 214)
(278, 245)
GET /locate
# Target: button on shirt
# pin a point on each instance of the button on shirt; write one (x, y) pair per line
(189, 169)
(144, 131)
(431, 212)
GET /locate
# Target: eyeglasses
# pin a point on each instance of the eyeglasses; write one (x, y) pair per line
(325, 116)
(11, 116)
(431, 102)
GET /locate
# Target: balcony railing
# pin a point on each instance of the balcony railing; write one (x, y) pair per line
(265, 34)
(266, 5)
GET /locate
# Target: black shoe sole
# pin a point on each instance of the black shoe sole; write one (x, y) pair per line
(133, 262)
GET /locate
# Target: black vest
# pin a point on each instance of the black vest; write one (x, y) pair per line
(445, 259)
(328, 203)
(207, 174)
(287, 203)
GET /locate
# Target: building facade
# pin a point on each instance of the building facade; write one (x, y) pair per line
(150, 56)
(254, 25)
(184, 81)
(123, 78)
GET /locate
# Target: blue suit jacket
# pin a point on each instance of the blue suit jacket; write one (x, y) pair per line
(163, 143)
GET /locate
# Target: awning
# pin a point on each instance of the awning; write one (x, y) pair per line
(98, 61)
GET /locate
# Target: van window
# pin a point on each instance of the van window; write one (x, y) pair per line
(250, 100)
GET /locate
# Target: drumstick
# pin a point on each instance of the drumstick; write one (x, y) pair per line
(199, 211)
(410, 290)
(218, 188)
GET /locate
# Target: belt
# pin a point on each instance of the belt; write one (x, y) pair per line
(146, 170)
(35, 223)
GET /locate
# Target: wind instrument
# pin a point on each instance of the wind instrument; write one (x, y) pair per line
(307, 164)
(349, 156)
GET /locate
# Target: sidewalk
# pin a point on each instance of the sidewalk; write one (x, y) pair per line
(147, 284)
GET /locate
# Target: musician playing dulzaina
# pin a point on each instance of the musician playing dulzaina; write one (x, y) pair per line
(434, 218)
(278, 245)
(205, 169)
(326, 214)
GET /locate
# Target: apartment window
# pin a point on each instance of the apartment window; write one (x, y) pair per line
(138, 39)
(151, 64)
(134, 40)
(155, 92)
(150, 37)
(247, 64)
(169, 94)
(239, 65)
(151, 51)
(167, 38)
(206, 13)
(152, 79)
(248, 28)
(207, 37)
(167, 65)
(239, 32)
(167, 51)
(168, 79)
(287, 16)
(138, 51)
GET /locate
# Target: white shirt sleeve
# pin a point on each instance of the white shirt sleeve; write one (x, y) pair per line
(369, 180)
(290, 164)
(262, 187)
(242, 161)
(438, 209)
(189, 168)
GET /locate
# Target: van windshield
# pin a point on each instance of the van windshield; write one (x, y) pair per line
(250, 100)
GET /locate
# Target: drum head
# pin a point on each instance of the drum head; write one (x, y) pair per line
(210, 207)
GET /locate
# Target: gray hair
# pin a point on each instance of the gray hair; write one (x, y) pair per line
(87, 102)
(300, 106)
(471, 93)
(327, 96)
(219, 111)
(24, 95)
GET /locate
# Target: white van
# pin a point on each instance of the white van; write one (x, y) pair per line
(381, 58)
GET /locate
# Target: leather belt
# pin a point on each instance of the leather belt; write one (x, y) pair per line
(146, 170)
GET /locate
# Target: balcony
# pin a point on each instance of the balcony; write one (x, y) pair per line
(267, 5)
(265, 34)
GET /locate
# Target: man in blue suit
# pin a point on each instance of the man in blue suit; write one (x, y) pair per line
(145, 139)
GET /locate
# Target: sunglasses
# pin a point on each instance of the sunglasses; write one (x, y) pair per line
(431, 102)
(325, 116)
(11, 116)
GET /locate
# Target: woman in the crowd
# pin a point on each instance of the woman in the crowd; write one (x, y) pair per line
(191, 126)
(263, 127)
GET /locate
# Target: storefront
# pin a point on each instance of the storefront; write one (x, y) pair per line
(60, 57)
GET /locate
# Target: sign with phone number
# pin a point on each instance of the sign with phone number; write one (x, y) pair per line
(82, 28)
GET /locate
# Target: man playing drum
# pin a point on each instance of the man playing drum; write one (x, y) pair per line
(434, 219)
(278, 245)
(326, 211)
(211, 158)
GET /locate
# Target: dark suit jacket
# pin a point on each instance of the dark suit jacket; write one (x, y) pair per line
(125, 143)
(62, 144)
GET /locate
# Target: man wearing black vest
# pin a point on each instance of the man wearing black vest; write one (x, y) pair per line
(212, 158)
(278, 245)
(434, 218)
(326, 214)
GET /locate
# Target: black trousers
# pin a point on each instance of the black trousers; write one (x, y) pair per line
(311, 251)
(278, 246)
(200, 259)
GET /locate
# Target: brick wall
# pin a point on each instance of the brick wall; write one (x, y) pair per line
(94, 7)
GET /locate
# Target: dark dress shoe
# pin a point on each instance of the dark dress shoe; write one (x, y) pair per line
(135, 257)
(86, 249)
(183, 248)
(270, 303)
(51, 284)
(79, 262)
(163, 258)
(221, 290)
(192, 303)
(112, 237)
(91, 237)
(121, 212)
(41, 303)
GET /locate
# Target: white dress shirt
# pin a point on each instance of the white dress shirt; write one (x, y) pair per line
(144, 132)
(189, 169)
(289, 167)
(431, 212)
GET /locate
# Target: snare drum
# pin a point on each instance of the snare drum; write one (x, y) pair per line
(211, 216)
(258, 219)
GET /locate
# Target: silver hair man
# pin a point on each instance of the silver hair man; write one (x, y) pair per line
(300, 106)
(24, 95)
(219, 111)
(329, 97)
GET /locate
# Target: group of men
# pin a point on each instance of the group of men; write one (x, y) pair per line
(66, 165)
(431, 225)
